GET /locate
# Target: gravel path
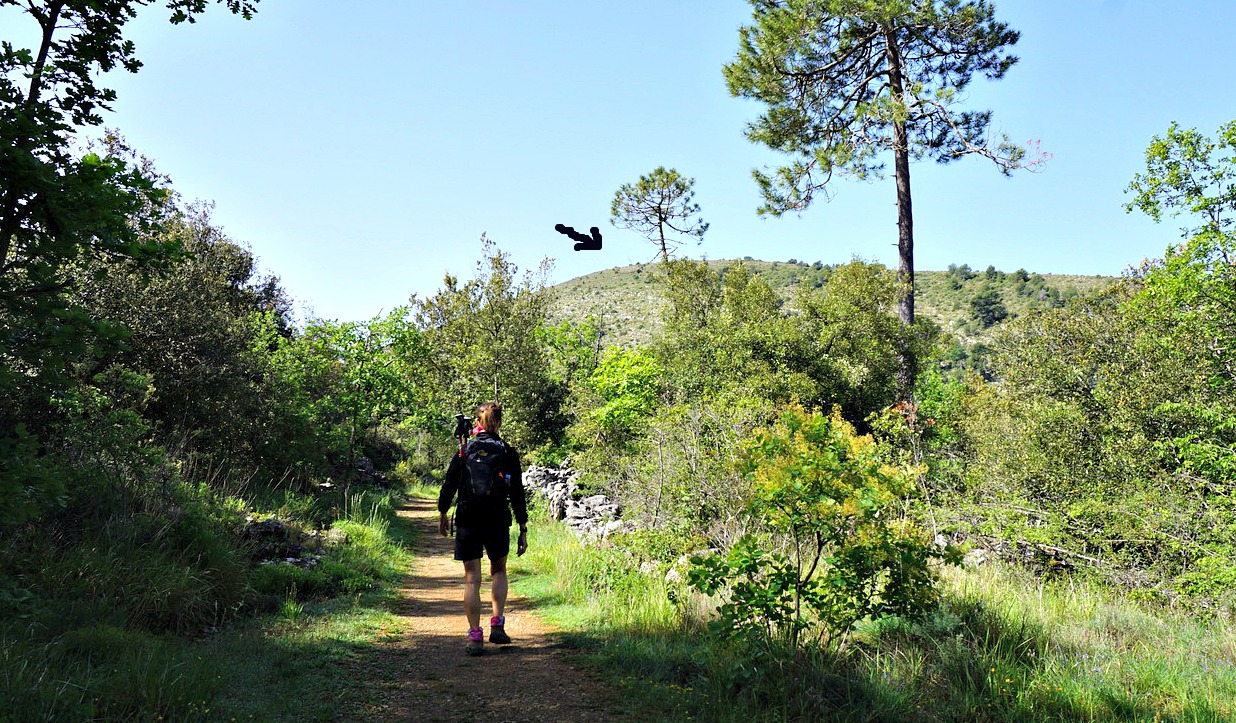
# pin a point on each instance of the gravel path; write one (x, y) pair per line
(530, 680)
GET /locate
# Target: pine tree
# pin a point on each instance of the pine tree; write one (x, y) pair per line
(847, 80)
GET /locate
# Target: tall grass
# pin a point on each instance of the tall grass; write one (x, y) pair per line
(1003, 646)
(126, 620)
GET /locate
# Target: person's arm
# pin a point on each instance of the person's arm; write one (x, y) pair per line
(519, 504)
(449, 486)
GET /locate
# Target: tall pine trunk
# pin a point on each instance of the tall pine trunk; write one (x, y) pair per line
(905, 217)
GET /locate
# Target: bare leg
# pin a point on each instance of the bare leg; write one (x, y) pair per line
(472, 592)
(497, 570)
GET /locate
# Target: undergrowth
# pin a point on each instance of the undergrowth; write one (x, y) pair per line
(1002, 646)
(162, 614)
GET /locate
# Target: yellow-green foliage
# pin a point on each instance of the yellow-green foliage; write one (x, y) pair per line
(813, 472)
(833, 547)
(627, 385)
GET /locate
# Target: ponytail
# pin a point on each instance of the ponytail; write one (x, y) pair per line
(489, 416)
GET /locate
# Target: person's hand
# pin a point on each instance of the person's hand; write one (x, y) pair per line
(522, 546)
(442, 529)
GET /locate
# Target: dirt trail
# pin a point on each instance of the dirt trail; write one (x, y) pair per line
(529, 680)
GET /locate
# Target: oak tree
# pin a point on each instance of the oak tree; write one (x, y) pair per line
(61, 206)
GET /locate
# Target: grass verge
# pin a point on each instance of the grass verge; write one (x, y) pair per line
(1004, 646)
(108, 627)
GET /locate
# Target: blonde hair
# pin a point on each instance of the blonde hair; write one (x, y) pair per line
(489, 416)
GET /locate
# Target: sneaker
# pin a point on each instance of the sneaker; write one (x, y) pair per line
(497, 630)
(476, 642)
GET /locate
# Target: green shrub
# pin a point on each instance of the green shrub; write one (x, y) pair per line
(346, 578)
(835, 551)
(367, 551)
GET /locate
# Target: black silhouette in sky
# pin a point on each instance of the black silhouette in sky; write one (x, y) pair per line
(583, 243)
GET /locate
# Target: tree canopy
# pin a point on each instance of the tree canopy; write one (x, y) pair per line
(846, 80)
(659, 207)
(53, 205)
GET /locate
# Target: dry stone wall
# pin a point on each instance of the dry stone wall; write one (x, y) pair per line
(595, 516)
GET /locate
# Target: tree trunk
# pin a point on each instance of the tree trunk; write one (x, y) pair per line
(905, 218)
(661, 233)
(9, 217)
(901, 166)
(905, 228)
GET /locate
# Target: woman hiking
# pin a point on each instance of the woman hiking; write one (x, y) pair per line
(489, 481)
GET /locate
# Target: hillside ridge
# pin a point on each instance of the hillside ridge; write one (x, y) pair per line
(627, 301)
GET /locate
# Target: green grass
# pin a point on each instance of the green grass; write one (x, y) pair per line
(119, 624)
(321, 664)
(1003, 646)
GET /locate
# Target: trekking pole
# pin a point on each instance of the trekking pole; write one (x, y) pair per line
(461, 433)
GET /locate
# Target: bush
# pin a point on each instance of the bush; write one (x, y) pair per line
(833, 549)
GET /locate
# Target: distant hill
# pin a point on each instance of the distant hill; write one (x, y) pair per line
(628, 301)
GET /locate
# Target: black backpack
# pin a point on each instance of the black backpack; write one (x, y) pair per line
(485, 460)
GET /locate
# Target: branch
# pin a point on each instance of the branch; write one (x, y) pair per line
(815, 74)
(1005, 163)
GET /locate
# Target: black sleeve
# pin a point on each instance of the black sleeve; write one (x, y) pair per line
(519, 505)
(454, 471)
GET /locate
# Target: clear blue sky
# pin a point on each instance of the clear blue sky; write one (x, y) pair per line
(362, 148)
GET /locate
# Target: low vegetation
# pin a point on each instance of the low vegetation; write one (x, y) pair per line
(1002, 645)
(166, 617)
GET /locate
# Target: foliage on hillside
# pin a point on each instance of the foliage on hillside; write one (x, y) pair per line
(1095, 438)
(627, 303)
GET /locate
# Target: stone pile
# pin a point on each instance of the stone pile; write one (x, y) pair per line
(595, 516)
(271, 541)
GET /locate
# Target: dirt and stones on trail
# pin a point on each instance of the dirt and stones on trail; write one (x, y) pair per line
(528, 680)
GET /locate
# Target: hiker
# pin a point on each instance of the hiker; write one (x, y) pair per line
(487, 476)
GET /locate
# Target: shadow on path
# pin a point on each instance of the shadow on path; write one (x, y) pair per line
(424, 675)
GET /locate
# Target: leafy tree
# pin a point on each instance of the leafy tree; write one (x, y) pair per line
(54, 206)
(485, 345)
(1189, 174)
(573, 349)
(59, 206)
(188, 327)
(846, 80)
(351, 376)
(1100, 440)
(729, 334)
(1187, 314)
(628, 385)
(859, 337)
(658, 206)
(693, 291)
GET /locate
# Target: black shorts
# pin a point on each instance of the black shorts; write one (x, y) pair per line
(469, 541)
